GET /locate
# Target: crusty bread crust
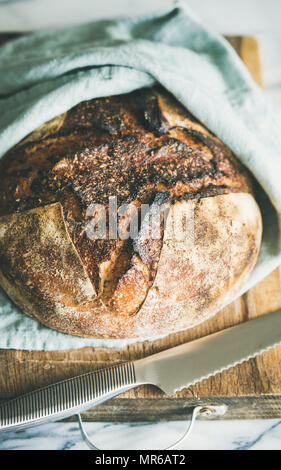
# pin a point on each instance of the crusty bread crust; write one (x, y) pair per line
(139, 147)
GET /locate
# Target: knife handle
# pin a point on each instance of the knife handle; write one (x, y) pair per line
(67, 397)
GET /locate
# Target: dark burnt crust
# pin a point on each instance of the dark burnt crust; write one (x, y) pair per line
(120, 146)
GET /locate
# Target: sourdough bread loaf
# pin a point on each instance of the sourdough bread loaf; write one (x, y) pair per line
(141, 149)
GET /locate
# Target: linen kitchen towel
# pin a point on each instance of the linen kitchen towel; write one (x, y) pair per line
(46, 73)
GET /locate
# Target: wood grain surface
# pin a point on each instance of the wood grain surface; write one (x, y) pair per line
(250, 390)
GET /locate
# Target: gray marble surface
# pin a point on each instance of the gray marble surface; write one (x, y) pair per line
(251, 17)
(222, 435)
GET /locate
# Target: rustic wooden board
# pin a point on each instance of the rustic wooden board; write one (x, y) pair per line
(251, 390)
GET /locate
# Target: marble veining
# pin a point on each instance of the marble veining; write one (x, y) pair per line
(226, 17)
(222, 435)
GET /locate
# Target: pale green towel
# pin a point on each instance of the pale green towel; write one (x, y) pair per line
(46, 73)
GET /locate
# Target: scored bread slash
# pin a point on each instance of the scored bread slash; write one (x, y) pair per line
(144, 149)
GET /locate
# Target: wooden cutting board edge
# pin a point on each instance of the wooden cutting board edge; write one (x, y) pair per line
(250, 390)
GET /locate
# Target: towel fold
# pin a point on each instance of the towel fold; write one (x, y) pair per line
(46, 73)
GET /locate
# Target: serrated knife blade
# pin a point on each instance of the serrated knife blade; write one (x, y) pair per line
(170, 370)
(184, 365)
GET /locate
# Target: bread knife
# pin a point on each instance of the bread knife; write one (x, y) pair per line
(170, 370)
